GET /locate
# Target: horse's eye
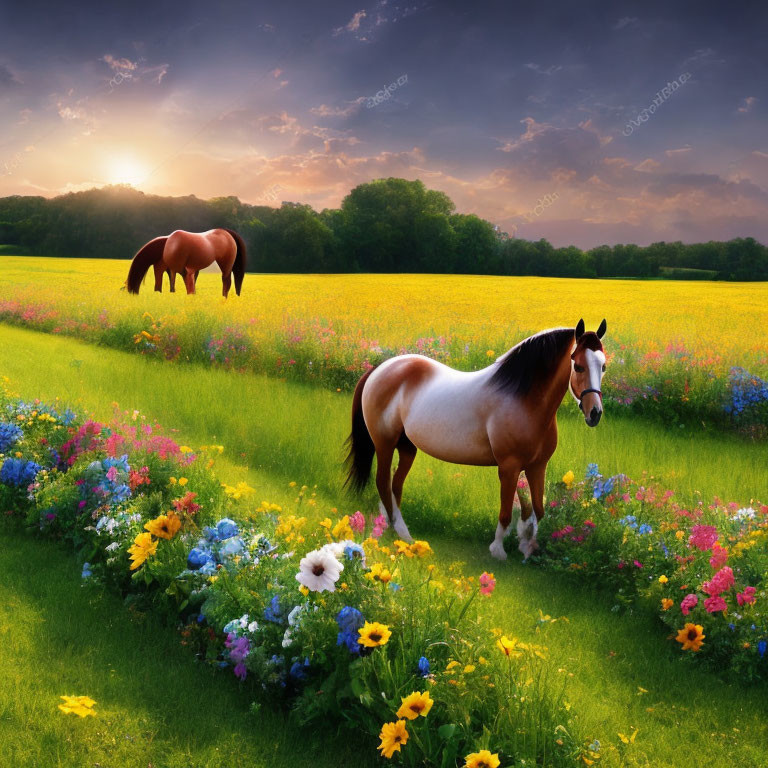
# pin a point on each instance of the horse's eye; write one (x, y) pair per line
(578, 368)
(603, 369)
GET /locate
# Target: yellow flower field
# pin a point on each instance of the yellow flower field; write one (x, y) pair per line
(724, 319)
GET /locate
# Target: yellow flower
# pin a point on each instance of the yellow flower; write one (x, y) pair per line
(469, 668)
(393, 736)
(421, 548)
(691, 636)
(507, 646)
(667, 603)
(568, 478)
(414, 705)
(342, 530)
(172, 480)
(403, 548)
(185, 449)
(628, 739)
(373, 634)
(663, 579)
(490, 353)
(164, 526)
(451, 665)
(304, 590)
(183, 481)
(379, 573)
(82, 706)
(142, 548)
(679, 535)
(482, 759)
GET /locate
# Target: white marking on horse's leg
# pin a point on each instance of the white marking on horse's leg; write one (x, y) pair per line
(497, 545)
(398, 523)
(526, 533)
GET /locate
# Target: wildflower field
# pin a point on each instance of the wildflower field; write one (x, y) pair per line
(208, 497)
(683, 353)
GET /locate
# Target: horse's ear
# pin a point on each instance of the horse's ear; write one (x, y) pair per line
(579, 329)
(601, 330)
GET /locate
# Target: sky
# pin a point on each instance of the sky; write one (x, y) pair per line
(584, 123)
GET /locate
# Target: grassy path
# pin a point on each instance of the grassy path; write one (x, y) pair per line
(626, 675)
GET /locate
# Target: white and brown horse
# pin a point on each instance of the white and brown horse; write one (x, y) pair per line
(186, 253)
(504, 415)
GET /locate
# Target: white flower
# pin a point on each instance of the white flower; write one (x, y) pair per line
(253, 626)
(745, 513)
(112, 547)
(319, 571)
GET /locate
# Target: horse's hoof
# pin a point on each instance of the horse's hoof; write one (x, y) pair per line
(497, 550)
(403, 532)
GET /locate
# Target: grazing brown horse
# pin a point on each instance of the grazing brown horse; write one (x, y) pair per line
(186, 253)
(504, 415)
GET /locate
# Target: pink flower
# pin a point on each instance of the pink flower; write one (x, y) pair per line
(638, 564)
(747, 596)
(719, 583)
(715, 603)
(357, 522)
(487, 583)
(112, 474)
(719, 557)
(379, 526)
(689, 602)
(703, 537)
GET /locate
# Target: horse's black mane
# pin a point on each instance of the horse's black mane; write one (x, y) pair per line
(531, 361)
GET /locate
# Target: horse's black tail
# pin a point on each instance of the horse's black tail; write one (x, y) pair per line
(238, 270)
(361, 449)
(147, 256)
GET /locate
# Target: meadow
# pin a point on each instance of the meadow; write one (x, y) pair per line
(623, 673)
(682, 353)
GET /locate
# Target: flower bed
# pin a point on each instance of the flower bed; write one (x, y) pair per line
(326, 619)
(704, 568)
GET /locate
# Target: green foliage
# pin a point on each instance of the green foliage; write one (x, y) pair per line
(386, 225)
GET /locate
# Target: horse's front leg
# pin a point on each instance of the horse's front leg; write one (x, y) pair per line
(172, 279)
(508, 474)
(189, 281)
(528, 525)
(159, 277)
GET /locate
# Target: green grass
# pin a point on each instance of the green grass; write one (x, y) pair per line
(284, 432)
(155, 705)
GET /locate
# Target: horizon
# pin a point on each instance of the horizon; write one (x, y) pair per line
(610, 124)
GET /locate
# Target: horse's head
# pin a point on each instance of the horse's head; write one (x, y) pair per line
(587, 368)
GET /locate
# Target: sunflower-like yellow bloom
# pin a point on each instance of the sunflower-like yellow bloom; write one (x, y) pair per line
(508, 646)
(393, 736)
(421, 548)
(164, 526)
(691, 636)
(142, 548)
(403, 548)
(568, 478)
(373, 634)
(379, 573)
(482, 759)
(414, 705)
(82, 706)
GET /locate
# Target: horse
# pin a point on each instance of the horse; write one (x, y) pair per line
(504, 415)
(186, 253)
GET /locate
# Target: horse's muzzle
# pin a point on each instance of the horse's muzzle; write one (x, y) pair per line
(593, 418)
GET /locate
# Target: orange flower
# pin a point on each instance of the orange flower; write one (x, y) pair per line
(691, 636)
(666, 603)
(164, 526)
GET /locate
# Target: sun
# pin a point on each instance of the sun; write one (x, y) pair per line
(126, 169)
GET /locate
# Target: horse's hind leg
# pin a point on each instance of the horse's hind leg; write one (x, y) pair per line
(172, 280)
(406, 452)
(189, 281)
(226, 283)
(508, 474)
(528, 525)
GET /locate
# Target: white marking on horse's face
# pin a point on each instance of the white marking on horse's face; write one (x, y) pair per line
(592, 402)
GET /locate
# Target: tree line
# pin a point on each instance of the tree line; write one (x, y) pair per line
(387, 225)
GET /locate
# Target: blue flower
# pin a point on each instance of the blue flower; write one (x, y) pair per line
(226, 528)
(761, 646)
(19, 472)
(298, 670)
(354, 551)
(630, 521)
(592, 471)
(644, 529)
(274, 611)
(197, 558)
(423, 666)
(87, 572)
(349, 620)
(9, 434)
